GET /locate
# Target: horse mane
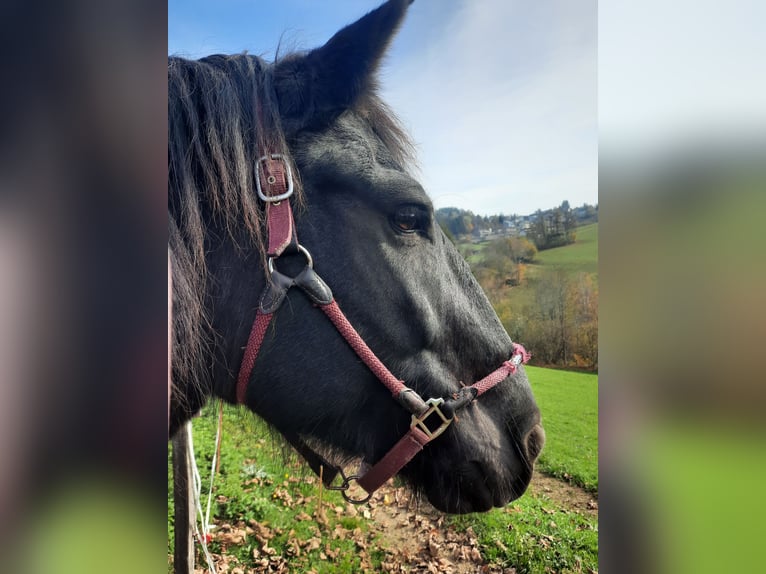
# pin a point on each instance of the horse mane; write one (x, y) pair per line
(223, 115)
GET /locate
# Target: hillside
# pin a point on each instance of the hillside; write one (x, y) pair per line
(580, 257)
(551, 305)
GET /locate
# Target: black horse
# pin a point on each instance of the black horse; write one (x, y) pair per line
(371, 230)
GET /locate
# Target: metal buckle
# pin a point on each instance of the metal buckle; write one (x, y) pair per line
(419, 421)
(288, 174)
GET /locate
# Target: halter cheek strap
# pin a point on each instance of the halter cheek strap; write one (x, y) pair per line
(430, 418)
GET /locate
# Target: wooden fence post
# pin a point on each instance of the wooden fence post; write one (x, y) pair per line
(183, 482)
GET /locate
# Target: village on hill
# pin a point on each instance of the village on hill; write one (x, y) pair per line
(545, 228)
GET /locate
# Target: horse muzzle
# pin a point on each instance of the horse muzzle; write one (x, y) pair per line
(496, 470)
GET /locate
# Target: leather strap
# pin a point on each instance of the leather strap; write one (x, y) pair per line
(281, 227)
(394, 460)
(257, 333)
(364, 352)
(274, 182)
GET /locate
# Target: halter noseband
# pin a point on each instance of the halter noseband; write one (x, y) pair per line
(430, 418)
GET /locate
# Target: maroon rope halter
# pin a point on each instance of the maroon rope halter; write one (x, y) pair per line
(274, 184)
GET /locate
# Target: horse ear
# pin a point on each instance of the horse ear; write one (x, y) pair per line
(314, 88)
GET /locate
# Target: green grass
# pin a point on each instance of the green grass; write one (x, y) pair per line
(580, 257)
(569, 405)
(473, 252)
(259, 482)
(534, 535)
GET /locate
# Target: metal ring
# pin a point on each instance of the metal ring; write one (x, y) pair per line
(306, 254)
(344, 489)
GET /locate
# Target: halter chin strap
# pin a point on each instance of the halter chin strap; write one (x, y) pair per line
(430, 418)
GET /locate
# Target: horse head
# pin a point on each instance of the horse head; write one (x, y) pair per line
(370, 229)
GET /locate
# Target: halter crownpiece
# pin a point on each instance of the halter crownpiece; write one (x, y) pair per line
(274, 184)
(430, 418)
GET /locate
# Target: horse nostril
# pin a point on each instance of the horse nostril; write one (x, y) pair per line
(534, 442)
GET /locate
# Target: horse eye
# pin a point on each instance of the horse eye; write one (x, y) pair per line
(406, 219)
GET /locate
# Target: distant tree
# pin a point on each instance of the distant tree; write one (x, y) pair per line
(537, 230)
(553, 228)
(522, 249)
(561, 326)
(467, 223)
(569, 221)
(459, 222)
(584, 303)
(498, 256)
(478, 224)
(591, 212)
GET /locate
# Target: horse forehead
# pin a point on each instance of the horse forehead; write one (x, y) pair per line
(351, 156)
(347, 145)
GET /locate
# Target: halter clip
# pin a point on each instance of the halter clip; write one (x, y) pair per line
(344, 486)
(433, 407)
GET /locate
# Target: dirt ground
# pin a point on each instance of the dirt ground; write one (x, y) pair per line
(416, 539)
(564, 494)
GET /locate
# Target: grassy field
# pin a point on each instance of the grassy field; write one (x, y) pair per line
(533, 535)
(580, 257)
(473, 252)
(569, 405)
(266, 504)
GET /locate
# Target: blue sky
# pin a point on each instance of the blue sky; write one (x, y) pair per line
(500, 96)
